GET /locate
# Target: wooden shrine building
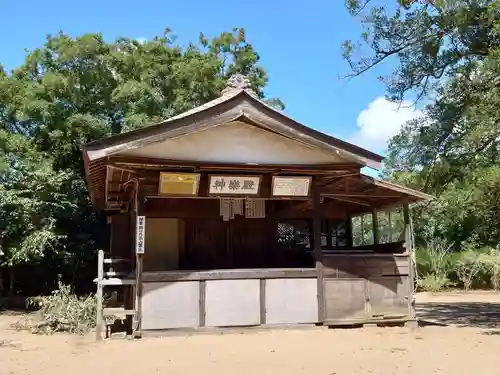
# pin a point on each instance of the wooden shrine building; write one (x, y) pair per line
(233, 214)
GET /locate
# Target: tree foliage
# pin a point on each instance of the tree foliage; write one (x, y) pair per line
(450, 49)
(452, 152)
(431, 39)
(31, 198)
(74, 90)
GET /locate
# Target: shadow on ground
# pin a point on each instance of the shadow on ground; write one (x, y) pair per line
(8, 344)
(17, 312)
(470, 314)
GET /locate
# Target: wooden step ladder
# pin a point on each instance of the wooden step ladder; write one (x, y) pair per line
(110, 278)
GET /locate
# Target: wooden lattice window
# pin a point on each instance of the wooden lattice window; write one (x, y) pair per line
(294, 234)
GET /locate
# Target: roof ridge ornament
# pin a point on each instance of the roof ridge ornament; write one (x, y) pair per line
(238, 81)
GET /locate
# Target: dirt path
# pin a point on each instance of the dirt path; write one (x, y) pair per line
(377, 351)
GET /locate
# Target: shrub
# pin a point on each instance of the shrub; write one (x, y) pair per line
(439, 268)
(471, 265)
(495, 269)
(491, 260)
(62, 311)
(433, 267)
(433, 283)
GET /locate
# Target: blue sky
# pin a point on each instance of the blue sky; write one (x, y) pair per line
(299, 44)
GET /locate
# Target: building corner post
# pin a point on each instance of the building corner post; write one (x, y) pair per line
(317, 250)
(411, 260)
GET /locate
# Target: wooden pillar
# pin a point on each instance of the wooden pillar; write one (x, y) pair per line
(99, 329)
(406, 219)
(140, 235)
(109, 222)
(409, 251)
(389, 224)
(318, 252)
(376, 234)
(349, 229)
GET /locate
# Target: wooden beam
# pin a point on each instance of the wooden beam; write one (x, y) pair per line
(354, 195)
(389, 223)
(106, 183)
(349, 229)
(375, 228)
(406, 220)
(406, 214)
(333, 180)
(143, 161)
(262, 300)
(202, 303)
(111, 164)
(348, 200)
(318, 251)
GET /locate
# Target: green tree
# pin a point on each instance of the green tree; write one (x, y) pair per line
(450, 49)
(430, 39)
(452, 152)
(31, 197)
(74, 90)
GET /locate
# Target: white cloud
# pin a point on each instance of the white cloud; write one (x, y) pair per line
(380, 122)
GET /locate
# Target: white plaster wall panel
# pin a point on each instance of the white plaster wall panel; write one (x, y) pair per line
(291, 301)
(170, 305)
(236, 142)
(232, 303)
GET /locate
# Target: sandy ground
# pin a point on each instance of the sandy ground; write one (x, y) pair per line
(460, 335)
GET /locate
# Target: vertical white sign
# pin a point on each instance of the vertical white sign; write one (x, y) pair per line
(140, 234)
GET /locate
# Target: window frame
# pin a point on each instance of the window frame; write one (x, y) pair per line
(296, 244)
(331, 227)
(326, 230)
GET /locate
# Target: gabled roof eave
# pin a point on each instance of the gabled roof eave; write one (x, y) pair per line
(415, 195)
(234, 104)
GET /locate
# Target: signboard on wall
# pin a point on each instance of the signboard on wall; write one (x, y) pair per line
(288, 186)
(234, 185)
(179, 183)
(255, 208)
(140, 234)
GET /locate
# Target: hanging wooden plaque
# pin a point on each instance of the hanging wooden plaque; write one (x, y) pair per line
(179, 183)
(291, 186)
(255, 208)
(237, 206)
(225, 208)
(234, 185)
